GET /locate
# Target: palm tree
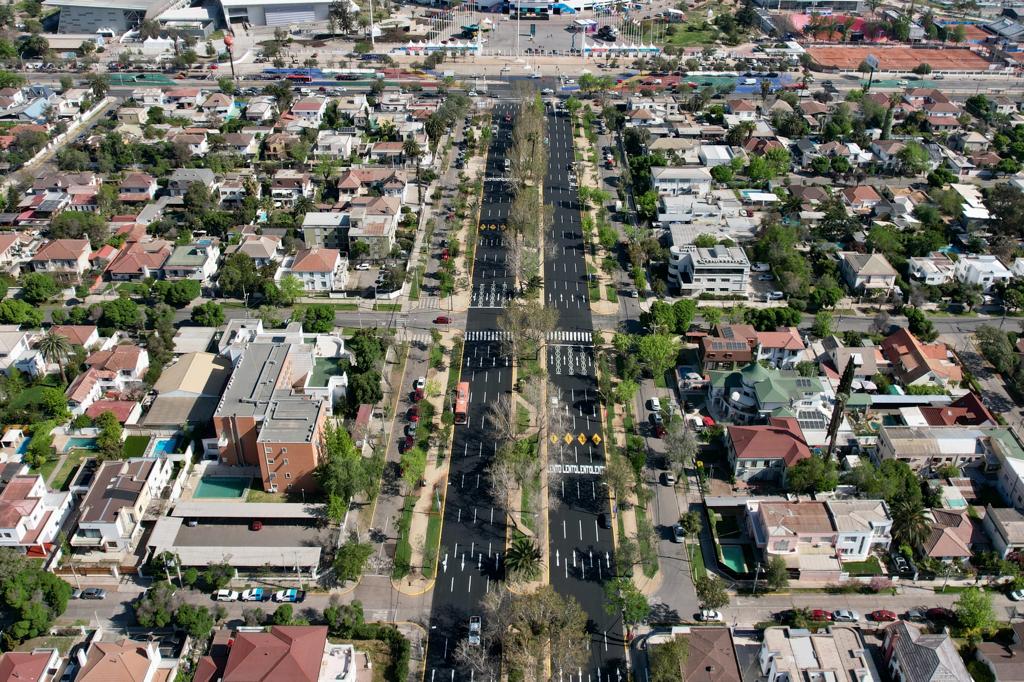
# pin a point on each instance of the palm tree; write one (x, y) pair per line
(57, 349)
(909, 523)
(523, 559)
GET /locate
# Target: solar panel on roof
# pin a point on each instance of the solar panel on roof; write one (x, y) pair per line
(727, 332)
(810, 419)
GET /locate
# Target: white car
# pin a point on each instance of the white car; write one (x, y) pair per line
(776, 296)
(472, 93)
(363, 266)
(845, 616)
(419, 383)
(1017, 595)
(474, 630)
(654, 404)
(768, 277)
(225, 595)
(254, 594)
(760, 267)
(547, 91)
(709, 615)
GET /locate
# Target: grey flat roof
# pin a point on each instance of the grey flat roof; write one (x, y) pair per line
(114, 4)
(279, 546)
(247, 510)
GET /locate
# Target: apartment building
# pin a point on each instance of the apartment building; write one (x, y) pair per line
(838, 653)
(111, 513)
(718, 270)
(31, 515)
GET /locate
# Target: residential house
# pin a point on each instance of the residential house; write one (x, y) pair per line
(276, 146)
(718, 269)
(109, 371)
(731, 346)
(1005, 529)
(983, 270)
(836, 653)
(711, 656)
(183, 98)
(196, 143)
(782, 348)
(11, 247)
(139, 260)
(742, 109)
(136, 188)
(788, 528)
(915, 363)
(289, 185)
(953, 535)
(681, 180)
(119, 493)
(196, 261)
(85, 335)
(942, 116)
(330, 229)
(912, 655)
(66, 257)
(219, 103)
(934, 269)
(861, 526)
(31, 515)
(236, 186)
(260, 108)
(753, 393)
(331, 144)
(762, 453)
(188, 390)
(861, 199)
(38, 665)
(386, 182)
(319, 269)
(1003, 660)
(867, 359)
(924, 447)
(244, 144)
(262, 249)
(967, 410)
(16, 351)
(373, 222)
(127, 660)
(297, 653)
(183, 178)
(354, 107)
(387, 153)
(970, 142)
(310, 110)
(868, 273)
(265, 419)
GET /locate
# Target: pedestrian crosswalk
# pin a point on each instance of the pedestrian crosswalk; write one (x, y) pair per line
(557, 336)
(561, 336)
(421, 338)
(490, 295)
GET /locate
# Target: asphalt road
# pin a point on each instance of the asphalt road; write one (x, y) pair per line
(581, 551)
(473, 534)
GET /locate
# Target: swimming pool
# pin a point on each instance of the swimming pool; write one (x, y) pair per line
(23, 446)
(735, 558)
(165, 446)
(221, 487)
(80, 443)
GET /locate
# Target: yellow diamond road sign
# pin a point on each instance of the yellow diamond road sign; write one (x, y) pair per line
(582, 439)
(568, 438)
(596, 439)
(554, 439)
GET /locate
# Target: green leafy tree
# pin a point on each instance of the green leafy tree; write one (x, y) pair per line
(38, 287)
(691, 522)
(350, 560)
(239, 277)
(413, 464)
(109, 438)
(658, 352)
(283, 615)
(318, 319)
(290, 289)
(197, 621)
(621, 595)
(121, 314)
(823, 324)
(812, 475)
(776, 574)
(156, 608)
(711, 592)
(342, 472)
(975, 613)
(209, 314)
(668, 659)
(31, 598)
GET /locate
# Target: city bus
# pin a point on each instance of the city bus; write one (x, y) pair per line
(462, 403)
(299, 78)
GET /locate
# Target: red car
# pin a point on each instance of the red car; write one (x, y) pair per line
(882, 616)
(442, 319)
(821, 614)
(413, 414)
(940, 613)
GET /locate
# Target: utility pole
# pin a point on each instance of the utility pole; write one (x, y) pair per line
(373, 41)
(842, 395)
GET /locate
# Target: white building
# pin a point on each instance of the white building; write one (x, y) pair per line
(983, 270)
(274, 12)
(117, 498)
(837, 653)
(861, 526)
(31, 515)
(318, 269)
(934, 269)
(719, 269)
(681, 180)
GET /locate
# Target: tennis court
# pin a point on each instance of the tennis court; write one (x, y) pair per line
(899, 58)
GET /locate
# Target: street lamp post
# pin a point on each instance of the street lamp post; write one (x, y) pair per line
(757, 572)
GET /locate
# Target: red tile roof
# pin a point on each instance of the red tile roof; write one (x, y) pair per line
(781, 438)
(77, 334)
(315, 260)
(121, 409)
(15, 503)
(62, 249)
(292, 652)
(22, 666)
(115, 359)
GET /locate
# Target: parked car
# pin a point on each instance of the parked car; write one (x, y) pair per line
(363, 266)
(225, 595)
(93, 593)
(900, 563)
(254, 594)
(768, 277)
(776, 296)
(291, 596)
(845, 616)
(1017, 595)
(882, 616)
(940, 613)
(604, 521)
(474, 630)
(410, 430)
(668, 478)
(821, 615)
(419, 383)
(442, 319)
(413, 414)
(255, 524)
(677, 533)
(654, 405)
(914, 616)
(709, 615)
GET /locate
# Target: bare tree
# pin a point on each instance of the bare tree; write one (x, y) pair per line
(680, 446)
(502, 417)
(526, 323)
(478, 659)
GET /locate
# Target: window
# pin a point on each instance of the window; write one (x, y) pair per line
(284, 451)
(287, 475)
(286, 461)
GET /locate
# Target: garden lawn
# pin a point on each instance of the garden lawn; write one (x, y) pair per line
(380, 655)
(431, 547)
(870, 566)
(62, 480)
(403, 550)
(135, 446)
(697, 568)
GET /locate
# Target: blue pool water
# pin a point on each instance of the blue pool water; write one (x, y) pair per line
(23, 446)
(81, 443)
(164, 446)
